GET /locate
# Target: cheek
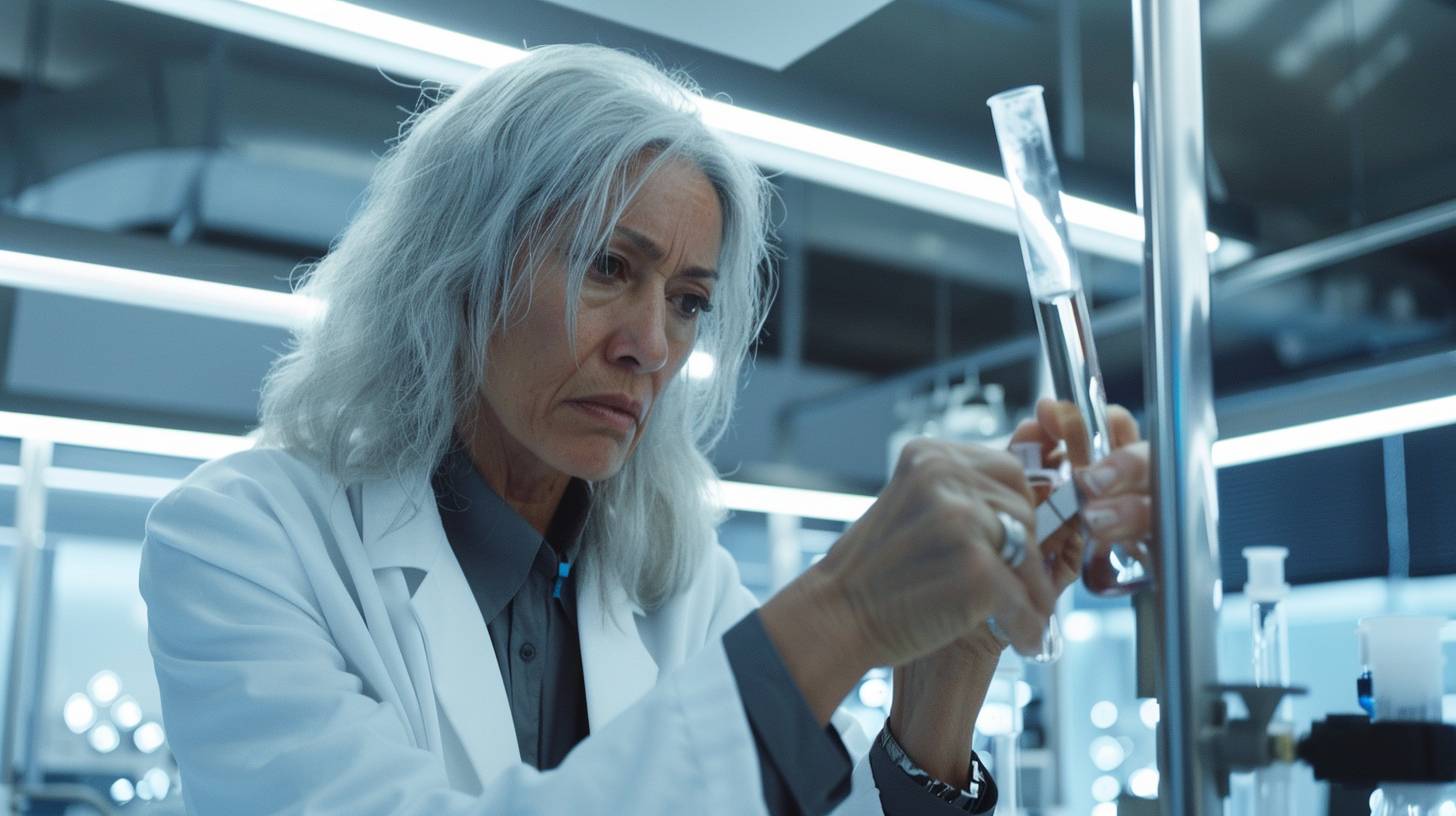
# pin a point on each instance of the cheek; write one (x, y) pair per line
(594, 326)
(527, 366)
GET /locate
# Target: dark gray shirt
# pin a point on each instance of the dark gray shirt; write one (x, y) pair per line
(523, 587)
(514, 575)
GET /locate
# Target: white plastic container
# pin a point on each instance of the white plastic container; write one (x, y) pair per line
(1406, 665)
(1403, 655)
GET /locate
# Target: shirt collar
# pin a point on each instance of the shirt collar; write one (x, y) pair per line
(495, 546)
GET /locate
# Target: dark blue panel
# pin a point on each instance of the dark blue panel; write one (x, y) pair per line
(1430, 489)
(1326, 506)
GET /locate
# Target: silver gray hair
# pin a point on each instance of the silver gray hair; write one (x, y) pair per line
(538, 156)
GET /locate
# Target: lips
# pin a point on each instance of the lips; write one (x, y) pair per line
(620, 404)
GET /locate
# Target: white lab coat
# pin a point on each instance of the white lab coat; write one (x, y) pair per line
(319, 652)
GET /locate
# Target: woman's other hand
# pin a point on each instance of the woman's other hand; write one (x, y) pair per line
(1116, 502)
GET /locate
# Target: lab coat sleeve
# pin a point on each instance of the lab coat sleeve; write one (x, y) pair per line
(900, 796)
(265, 717)
(736, 601)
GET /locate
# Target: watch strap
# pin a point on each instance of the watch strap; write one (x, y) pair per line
(966, 799)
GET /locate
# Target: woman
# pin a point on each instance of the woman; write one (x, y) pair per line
(471, 566)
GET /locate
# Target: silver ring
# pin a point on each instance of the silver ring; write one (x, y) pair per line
(1013, 541)
(997, 632)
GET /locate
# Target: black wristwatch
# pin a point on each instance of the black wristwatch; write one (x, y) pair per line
(968, 798)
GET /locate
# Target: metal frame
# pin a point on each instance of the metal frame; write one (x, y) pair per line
(1178, 369)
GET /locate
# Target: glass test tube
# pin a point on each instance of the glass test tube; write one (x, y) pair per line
(1061, 307)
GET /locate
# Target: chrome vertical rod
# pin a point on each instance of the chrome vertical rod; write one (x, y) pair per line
(1177, 365)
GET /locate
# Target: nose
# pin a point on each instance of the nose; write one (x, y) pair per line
(640, 341)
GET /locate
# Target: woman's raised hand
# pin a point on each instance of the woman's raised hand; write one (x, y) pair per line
(922, 567)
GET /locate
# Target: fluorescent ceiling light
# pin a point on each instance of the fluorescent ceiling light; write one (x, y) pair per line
(793, 501)
(90, 433)
(103, 482)
(1329, 433)
(347, 32)
(374, 39)
(170, 292)
(740, 496)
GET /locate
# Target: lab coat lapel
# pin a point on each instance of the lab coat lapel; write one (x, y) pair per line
(466, 679)
(617, 669)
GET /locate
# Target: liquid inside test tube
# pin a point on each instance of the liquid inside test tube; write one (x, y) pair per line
(1061, 306)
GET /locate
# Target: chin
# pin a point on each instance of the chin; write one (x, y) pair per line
(596, 462)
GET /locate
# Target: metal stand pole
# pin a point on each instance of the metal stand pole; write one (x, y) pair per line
(1177, 366)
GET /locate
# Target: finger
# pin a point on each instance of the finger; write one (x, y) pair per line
(1027, 430)
(1125, 470)
(1031, 571)
(1063, 554)
(1122, 427)
(1013, 610)
(1121, 518)
(1004, 469)
(1063, 421)
(1031, 430)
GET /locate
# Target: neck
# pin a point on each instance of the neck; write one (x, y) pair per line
(531, 487)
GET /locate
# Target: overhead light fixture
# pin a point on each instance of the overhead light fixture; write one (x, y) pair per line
(172, 293)
(1330, 433)
(741, 496)
(104, 687)
(148, 737)
(346, 32)
(103, 738)
(701, 365)
(100, 482)
(793, 501)
(90, 433)
(375, 39)
(79, 713)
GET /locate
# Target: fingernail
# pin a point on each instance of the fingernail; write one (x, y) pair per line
(1099, 518)
(1100, 478)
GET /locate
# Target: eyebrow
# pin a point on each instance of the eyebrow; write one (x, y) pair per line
(649, 248)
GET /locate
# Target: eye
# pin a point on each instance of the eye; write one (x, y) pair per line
(691, 305)
(609, 266)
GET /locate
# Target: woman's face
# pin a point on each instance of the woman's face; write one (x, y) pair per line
(581, 411)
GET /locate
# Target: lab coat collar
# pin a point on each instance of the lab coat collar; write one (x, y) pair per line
(618, 670)
(401, 528)
(400, 522)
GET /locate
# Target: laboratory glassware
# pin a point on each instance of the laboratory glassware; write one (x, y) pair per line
(1038, 474)
(1272, 791)
(1006, 695)
(1061, 306)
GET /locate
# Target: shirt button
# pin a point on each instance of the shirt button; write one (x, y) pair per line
(528, 652)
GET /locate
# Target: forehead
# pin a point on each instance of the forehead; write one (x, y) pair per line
(677, 208)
